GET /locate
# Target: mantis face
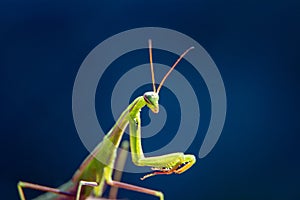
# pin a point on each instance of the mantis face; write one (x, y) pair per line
(151, 99)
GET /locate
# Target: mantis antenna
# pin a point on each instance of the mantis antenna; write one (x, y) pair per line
(151, 64)
(174, 65)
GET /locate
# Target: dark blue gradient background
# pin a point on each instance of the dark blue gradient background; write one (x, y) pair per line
(254, 44)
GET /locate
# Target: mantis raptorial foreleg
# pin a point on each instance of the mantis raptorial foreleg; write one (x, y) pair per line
(166, 164)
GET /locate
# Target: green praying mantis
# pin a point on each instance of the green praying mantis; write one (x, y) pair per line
(97, 168)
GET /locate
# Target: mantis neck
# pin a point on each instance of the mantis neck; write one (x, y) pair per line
(117, 131)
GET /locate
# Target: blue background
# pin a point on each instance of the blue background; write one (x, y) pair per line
(254, 44)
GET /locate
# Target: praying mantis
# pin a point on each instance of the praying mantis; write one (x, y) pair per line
(97, 168)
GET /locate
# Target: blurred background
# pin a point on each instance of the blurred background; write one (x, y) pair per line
(253, 43)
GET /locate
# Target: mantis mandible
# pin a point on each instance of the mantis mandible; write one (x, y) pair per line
(92, 175)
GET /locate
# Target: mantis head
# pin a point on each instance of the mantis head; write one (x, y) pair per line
(151, 98)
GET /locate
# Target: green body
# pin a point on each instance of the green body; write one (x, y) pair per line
(97, 168)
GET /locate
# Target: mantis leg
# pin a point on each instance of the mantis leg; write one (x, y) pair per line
(84, 183)
(22, 185)
(136, 188)
(137, 153)
(119, 168)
